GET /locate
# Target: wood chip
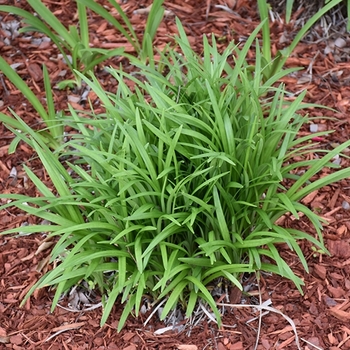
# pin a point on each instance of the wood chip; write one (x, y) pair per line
(340, 315)
(320, 271)
(35, 72)
(68, 327)
(309, 198)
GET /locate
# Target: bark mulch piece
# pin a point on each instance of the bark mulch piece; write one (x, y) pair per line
(321, 315)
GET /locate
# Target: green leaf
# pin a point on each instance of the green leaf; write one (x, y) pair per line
(52, 20)
(22, 86)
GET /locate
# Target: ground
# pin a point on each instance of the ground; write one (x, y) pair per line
(321, 315)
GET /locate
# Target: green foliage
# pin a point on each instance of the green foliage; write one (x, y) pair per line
(155, 16)
(348, 13)
(282, 56)
(178, 183)
(53, 134)
(73, 42)
(289, 10)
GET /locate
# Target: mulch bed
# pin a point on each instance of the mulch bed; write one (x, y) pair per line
(321, 315)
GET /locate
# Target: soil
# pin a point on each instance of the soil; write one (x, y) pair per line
(321, 315)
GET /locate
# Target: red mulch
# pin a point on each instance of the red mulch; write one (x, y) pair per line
(321, 315)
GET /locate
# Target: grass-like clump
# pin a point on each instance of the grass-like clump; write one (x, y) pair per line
(179, 182)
